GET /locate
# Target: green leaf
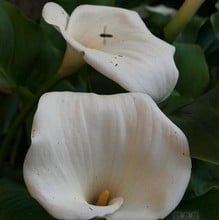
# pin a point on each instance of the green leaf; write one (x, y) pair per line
(200, 122)
(210, 44)
(7, 42)
(9, 107)
(55, 38)
(156, 23)
(201, 208)
(29, 59)
(191, 31)
(64, 85)
(16, 204)
(193, 69)
(206, 37)
(24, 93)
(5, 79)
(205, 177)
(174, 102)
(215, 23)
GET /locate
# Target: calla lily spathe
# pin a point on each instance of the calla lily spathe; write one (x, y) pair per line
(84, 143)
(116, 43)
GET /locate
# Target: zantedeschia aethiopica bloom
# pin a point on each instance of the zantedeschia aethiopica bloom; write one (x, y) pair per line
(117, 157)
(116, 43)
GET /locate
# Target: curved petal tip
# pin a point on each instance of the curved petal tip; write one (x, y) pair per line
(55, 15)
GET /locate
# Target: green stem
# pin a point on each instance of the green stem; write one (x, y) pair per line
(182, 17)
(23, 114)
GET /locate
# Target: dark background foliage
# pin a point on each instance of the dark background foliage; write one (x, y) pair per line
(26, 71)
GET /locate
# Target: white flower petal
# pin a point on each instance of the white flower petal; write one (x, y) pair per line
(117, 43)
(161, 9)
(58, 17)
(83, 144)
(55, 15)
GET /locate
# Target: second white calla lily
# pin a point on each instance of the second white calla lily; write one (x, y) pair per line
(117, 157)
(116, 43)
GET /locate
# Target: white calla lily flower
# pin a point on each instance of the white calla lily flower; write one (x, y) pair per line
(161, 9)
(117, 157)
(116, 43)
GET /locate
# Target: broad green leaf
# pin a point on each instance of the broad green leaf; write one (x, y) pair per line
(7, 42)
(206, 206)
(207, 38)
(5, 79)
(215, 76)
(53, 35)
(205, 177)
(200, 208)
(191, 31)
(156, 23)
(64, 85)
(210, 44)
(6, 38)
(9, 107)
(29, 59)
(24, 93)
(174, 102)
(213, 54)
(200, 122)
(16, 204)
(215, 23)
(193, 69)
